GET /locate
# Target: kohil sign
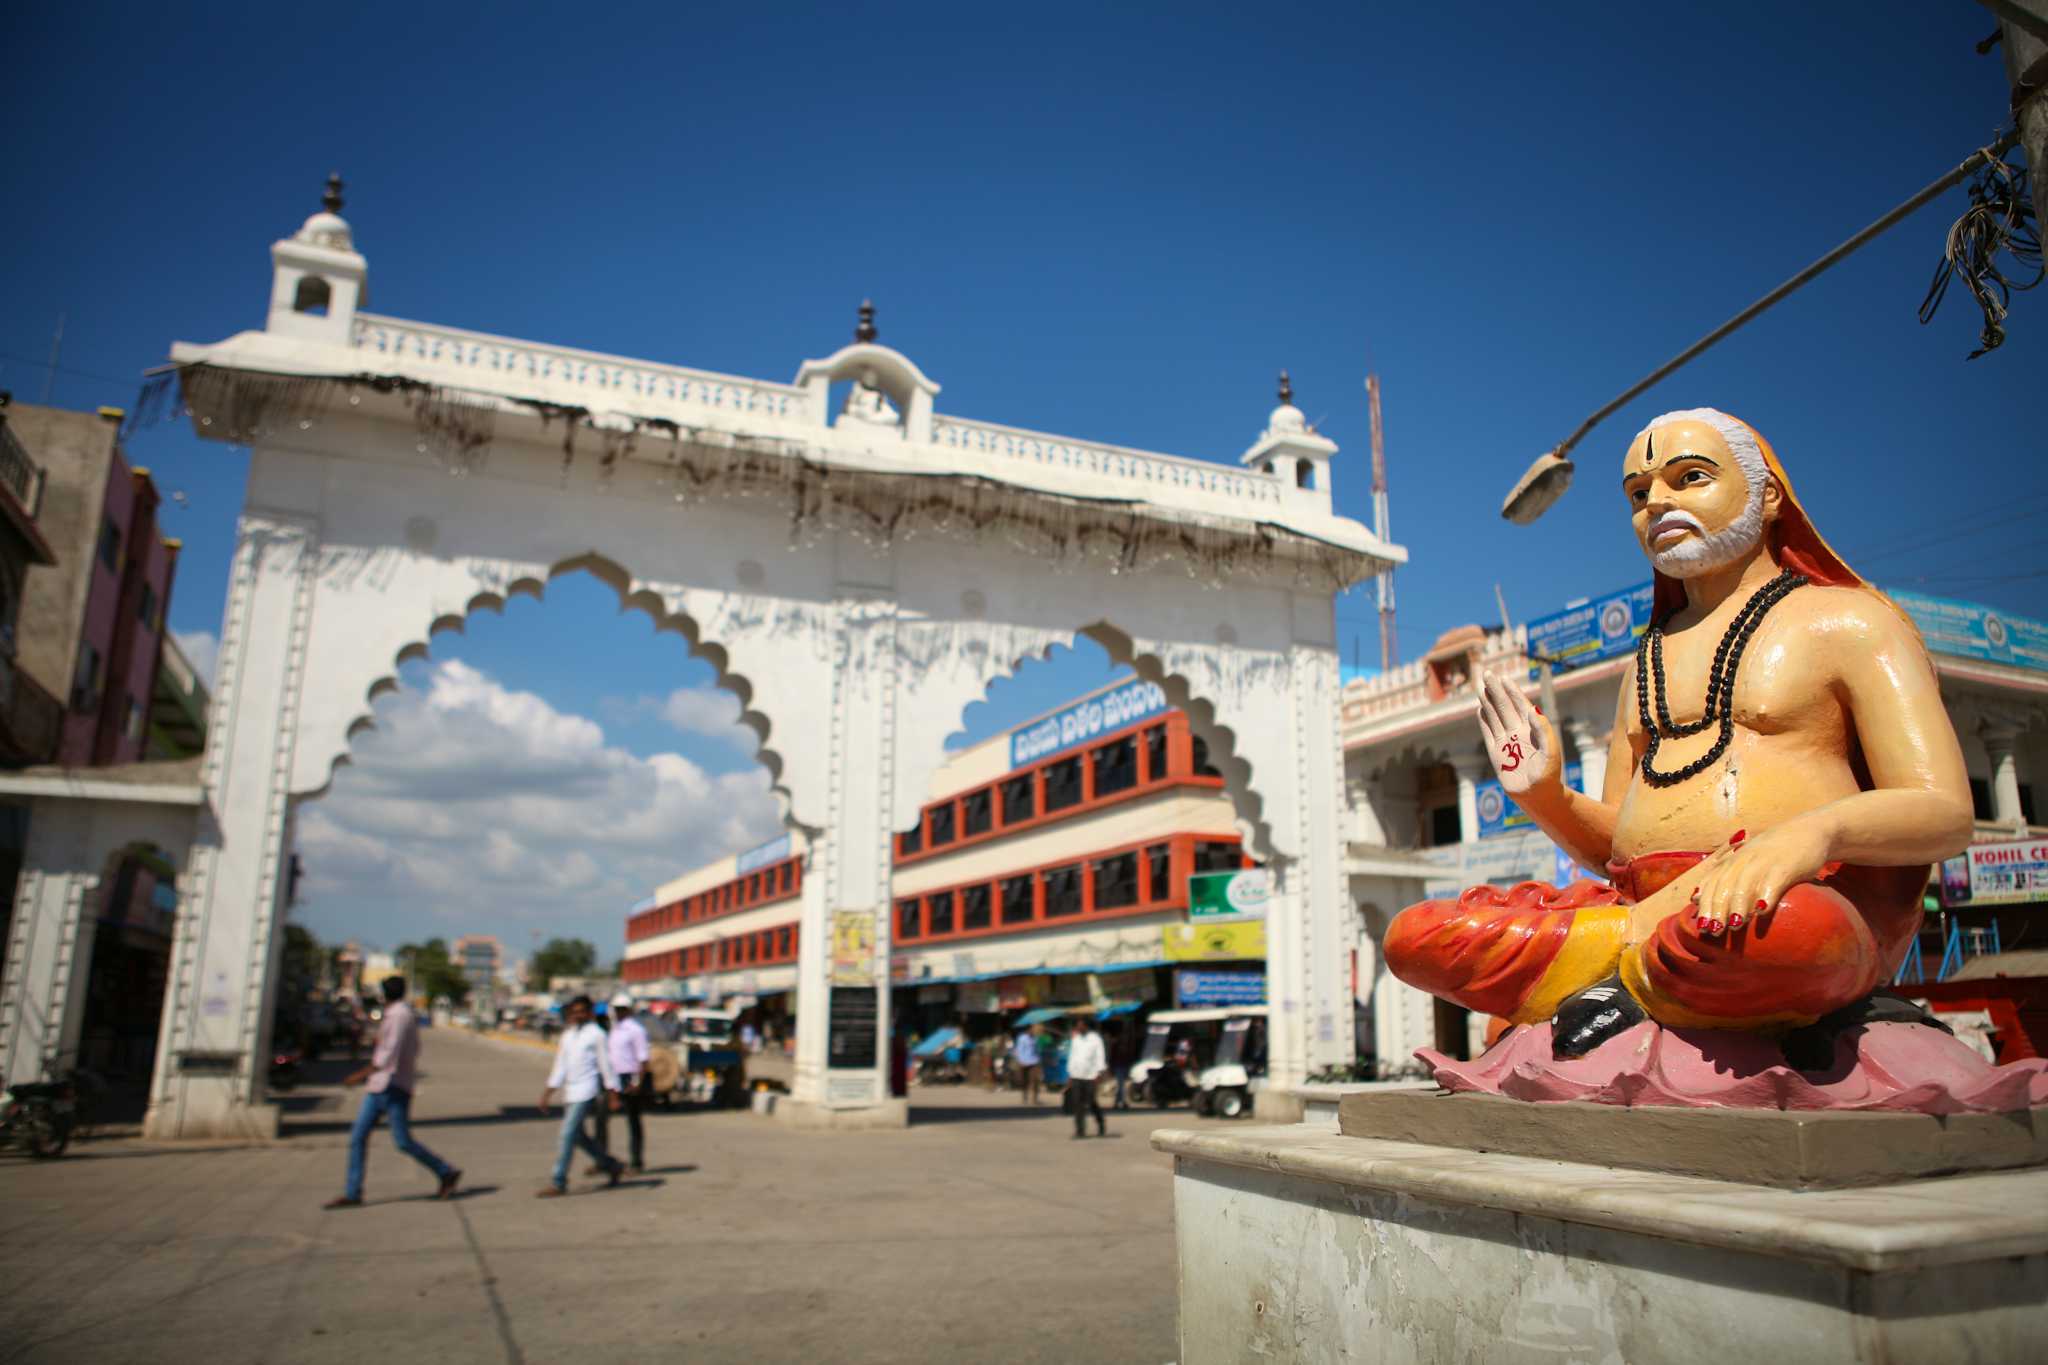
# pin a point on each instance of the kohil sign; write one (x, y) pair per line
(1124, 704)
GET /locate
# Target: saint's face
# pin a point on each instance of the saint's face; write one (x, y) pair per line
(1682, 483)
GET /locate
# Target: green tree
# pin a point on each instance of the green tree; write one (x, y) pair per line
(560, 957)
(435, 975)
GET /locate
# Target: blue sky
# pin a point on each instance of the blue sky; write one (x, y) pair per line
(1115, 222)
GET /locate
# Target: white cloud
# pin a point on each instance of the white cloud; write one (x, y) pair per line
(202, 649)
(474, 808)
(705, 712)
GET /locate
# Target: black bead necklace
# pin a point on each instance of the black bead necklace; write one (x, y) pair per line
(1720, 704)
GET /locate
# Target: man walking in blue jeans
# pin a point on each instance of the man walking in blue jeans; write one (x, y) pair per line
(583, 1073)
(391, 1072)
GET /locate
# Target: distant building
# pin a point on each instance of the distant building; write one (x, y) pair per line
(1048, 871)
(177, 706)
(31, 718)
(90, 626)
(479, 958)
(85, 583)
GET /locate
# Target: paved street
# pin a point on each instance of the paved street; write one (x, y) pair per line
(982, 1233)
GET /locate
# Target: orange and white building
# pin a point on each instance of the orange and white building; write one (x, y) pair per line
(1045, 867)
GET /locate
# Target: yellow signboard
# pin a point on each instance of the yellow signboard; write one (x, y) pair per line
(1214, 942)
(853, 947)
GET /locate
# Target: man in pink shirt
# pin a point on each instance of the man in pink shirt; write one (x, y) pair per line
(390, 1073)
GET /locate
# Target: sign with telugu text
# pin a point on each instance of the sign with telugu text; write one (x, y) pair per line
(1970, 631)
(2009, 873)
(1602, 628)
(1124, 704)
(1210, 990)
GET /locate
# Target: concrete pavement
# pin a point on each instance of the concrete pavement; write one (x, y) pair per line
(983, 1232)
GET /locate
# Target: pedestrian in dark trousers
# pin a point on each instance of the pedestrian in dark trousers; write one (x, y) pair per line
(391, 1072)
(628, 1043)
(1085, 1065)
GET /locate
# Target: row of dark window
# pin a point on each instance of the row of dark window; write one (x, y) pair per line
(777, 881)
(1139, 878)
(1142, 758)
(761, 948)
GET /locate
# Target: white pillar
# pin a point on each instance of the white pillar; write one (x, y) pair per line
(1309, 922)
(1472, 769)
(849, 873)
(2001, 746)
(210, 1081)
(1591, 745)
(44, 984)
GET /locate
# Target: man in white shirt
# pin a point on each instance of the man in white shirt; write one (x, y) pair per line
(1086, 1062)
(391, 1071)
(629, 1053)
(583, 1073)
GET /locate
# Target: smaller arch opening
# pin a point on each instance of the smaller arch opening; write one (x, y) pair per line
(1304, 474)
(313, 296)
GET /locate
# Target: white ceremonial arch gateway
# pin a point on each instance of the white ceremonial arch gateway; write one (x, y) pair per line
(857, 571)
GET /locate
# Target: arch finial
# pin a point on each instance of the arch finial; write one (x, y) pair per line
(866, 331)
(331, 201)
(1286, 389)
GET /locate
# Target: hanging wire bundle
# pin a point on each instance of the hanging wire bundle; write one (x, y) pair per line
(2000, 219)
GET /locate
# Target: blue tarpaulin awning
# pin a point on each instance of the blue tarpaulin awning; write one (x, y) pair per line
(1040, 1015)
(1116, 1007)
(937, 1043)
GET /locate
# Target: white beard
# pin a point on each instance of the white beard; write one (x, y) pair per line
(1711, 550)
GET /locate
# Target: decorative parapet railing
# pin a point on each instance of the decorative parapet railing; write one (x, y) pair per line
(19, 474)
(610, 381)
(1105, 461)
(1409, 686)
(615, 383)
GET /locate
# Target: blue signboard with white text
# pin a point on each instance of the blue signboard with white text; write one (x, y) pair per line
(1124, 704)
(1214, 990)
(1600, 628)
(774, 851)
(1498, 814)
(1970, 631)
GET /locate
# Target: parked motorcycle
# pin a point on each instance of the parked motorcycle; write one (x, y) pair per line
(38, 1116)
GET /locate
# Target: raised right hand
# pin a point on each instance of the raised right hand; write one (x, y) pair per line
(1523, 744)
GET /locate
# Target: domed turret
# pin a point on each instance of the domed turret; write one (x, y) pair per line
(1289, 448)
(317, 277)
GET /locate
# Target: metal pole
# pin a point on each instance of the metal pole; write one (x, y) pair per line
(2024, 35)
(1946, 181)
(1381, 522)
(1546, 479)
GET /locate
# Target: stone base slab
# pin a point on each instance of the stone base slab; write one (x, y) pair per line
(1304, 1245)
(1792, 1149)
(820, 1117)
(243, 1122)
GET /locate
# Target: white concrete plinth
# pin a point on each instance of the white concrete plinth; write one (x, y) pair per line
(825, 1118)
(1319, 1099)
(1303, 1245)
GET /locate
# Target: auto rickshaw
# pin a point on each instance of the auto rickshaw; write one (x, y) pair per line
(1214, 1057)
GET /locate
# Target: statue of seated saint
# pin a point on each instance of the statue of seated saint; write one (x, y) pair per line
(866, 403)
(1781, 775)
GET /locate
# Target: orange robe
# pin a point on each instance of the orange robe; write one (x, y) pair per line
(1521, 952)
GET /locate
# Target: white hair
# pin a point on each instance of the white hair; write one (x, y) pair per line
(1741, 441)
(1717, 549)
